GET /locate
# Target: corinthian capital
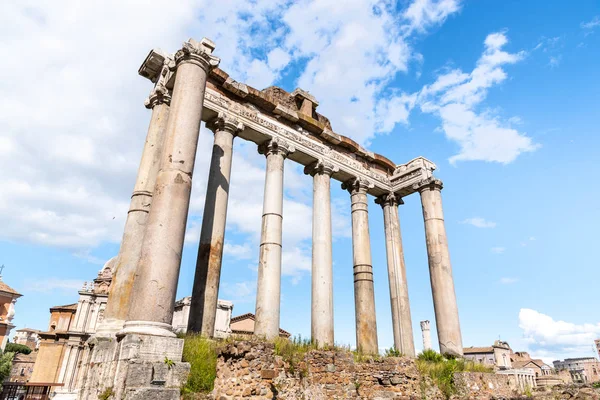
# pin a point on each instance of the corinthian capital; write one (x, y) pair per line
(199, 53)
(276, 146)
(431, 183)
(389, 199)
(321, 167)
(226, 122)
(357, 185)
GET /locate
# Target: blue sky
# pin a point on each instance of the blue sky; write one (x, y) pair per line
(501, 95)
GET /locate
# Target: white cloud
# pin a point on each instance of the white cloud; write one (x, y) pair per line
(48, 285)
(424, 13)
(595, 22)
(498, 250)
(455, 97)
(479, 222)
(554, 61)
(508, 281)
(547, 336)
(238, 251)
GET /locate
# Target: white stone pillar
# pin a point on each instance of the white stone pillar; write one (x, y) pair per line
(364, 292)
(268, 291)
(401, 319)
(440, 269)
(322, 259)
(155, 286)
(205, 291)
(137, 216)
(426, 332)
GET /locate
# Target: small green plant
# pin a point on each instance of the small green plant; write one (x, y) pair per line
(528, 392)
(169, 363)
(107, 394)
(357, 385)
(392, 352)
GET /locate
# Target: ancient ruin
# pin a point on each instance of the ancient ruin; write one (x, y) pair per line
(189, 89)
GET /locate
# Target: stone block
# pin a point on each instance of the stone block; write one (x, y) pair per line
(151, 348)
(153, 394)
(268, 374)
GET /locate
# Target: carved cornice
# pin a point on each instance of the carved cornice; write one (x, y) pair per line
(431, 183)
(226, 122)
(256, 121)
(321, 167)
(389, 199)
(160, 94)
(276, 146)
(357, 185)
(198, 53)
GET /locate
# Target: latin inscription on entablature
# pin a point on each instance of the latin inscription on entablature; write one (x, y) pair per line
(213, 100)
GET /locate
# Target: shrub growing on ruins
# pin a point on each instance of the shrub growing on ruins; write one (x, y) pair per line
(442, 370)
(393, 352)
(430, 355)
(201, 353)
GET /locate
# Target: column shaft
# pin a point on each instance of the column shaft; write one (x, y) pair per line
(205, 292)
(322, 259)
(401, 319)
(268, 292)
(364, 292)
(135, 225)
(155, 285)
(440, 270)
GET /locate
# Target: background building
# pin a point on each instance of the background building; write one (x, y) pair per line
(498, 355)
(28, 337)
(582, 370)
(8, 298)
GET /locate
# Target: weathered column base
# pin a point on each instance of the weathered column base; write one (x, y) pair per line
(136, 367)
(147, 328)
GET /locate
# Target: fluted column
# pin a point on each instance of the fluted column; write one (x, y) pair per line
(322, 259)
(205, 291)
(364, 293)
(268, 291)
(440, 269)
(401, 320)
(155, 285)
(121, 286)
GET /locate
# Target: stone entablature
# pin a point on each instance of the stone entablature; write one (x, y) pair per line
(275, 113)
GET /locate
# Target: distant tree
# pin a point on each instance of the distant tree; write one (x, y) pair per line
(5, 365)
(17, 348)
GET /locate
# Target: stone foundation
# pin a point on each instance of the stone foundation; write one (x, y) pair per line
(136, 367)
(252, 370)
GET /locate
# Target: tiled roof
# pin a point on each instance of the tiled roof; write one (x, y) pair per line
(7, 289)
(28, 330)
(252, 317)
(475, 350)
(65, 307)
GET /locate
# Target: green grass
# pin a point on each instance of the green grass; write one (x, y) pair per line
(441, 370)
(201, 353)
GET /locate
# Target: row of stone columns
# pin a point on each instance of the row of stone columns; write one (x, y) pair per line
(145, 283)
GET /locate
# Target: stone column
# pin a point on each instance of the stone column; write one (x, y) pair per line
(205, 291)
(440, 269)
(426, 332)
(364, 292)
(155, 286)
(268, 291)
(141, 200)
(322, 259)
(401, 320)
